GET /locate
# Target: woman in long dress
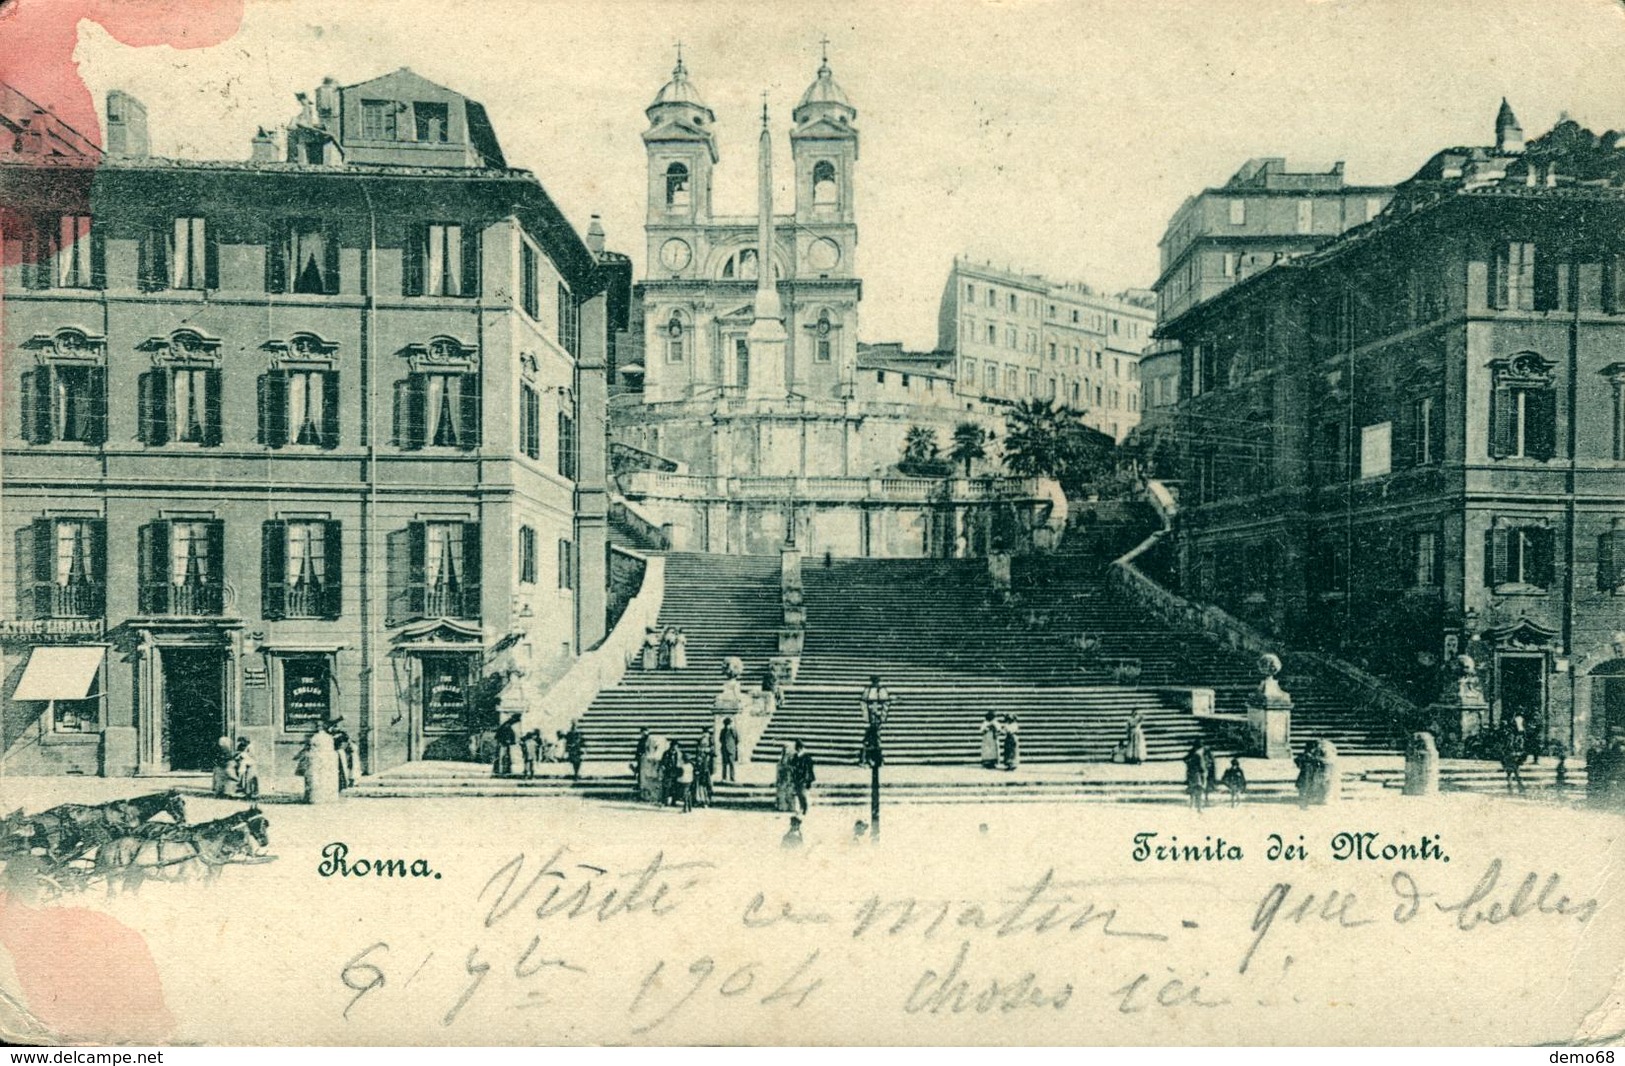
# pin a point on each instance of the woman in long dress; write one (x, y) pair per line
(1134, 750)
(990, 741)
(1012, 743)
(784, 784)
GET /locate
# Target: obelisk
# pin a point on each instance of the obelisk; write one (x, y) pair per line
(767, 339)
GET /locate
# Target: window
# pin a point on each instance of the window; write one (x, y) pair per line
(380, 120)
(306, 260)
(677, 189)
(179, 255)
(299, 406)
(70, 567)
(1306, 216)
(741, 362)
(970, 293)
(181, 567)
(445, 572)
(431, 122)
(1013, 304)
(1512, 277)
(1332, 453)
(1617, 372)
(567, 567)
(66, 252)
(300, 569)
(1518, 556)
(992, 384)
(567, 445)
(1523, 408)
(1032, 383)
(1075, 400)
(530, 421)
(569, 323)
(674, 339)
(1613, 284)
(1424, 451)
(992, 297)
(64, 403)
(970, 371)
(1424, 559)
(823, 349)
(1010, 339)
(880, 377)
(527, 555)
(1229, 264)
(1049, 394)
(180, 404)
(530, 290)
(448, 680)
(1373, 207)
(443, 260)
(825, 192)
(439, 410)
(1376, 450)
(1052, 351)
(1012, 383)
(1074, 317)
(1611, 559)
(992, 333)
(307, 692)
(1238, 212)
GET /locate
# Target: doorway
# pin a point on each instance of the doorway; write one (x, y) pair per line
(1608, 700)
(1521, 689)
(194, 706)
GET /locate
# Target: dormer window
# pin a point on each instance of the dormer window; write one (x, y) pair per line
(432, 122)
(380, 120)
(677, 186)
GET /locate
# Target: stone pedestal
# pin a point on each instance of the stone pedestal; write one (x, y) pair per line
(789, 567)
(791, 640)
(321, 769)
(1461, 710)
(1269, 713)
(117, 756)
(1421, 765)
(998, 568)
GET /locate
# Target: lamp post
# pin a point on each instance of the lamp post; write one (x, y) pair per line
(876, 705)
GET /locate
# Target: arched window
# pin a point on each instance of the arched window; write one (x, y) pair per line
(677, 190)
(824, 188)
(676, 331)
(824, 331)
(741, 266)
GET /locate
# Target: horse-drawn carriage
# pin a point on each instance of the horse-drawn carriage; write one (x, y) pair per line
(123, 843)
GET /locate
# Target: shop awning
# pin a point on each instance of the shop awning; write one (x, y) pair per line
(57, 672)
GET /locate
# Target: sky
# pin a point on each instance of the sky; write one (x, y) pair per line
(1051, 136)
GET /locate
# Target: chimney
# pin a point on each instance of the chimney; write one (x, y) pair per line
(595, 235)
(263, 148)
(126, 126)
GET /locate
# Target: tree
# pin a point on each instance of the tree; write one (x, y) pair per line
(1043, 439)
(969, 444)
(921, 456)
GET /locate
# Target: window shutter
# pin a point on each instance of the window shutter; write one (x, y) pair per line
(1497, 292)
(471, 570)
(32, 389)
(471, 260)
(96, 413)
(217, 557)
(1503, 422)
(417, 416)
(417, 572)
(273, 388)
(274, 568)
(97, 561)
(154, 552)
(1495, 556)
(154, 404)
(1608, 561)
(148, 255)
(33, 254)
(212, 429)
(333, 593)
(330, 409)
(1404, 449)
(98, 258)
(211, 258)
(412, 274)
(277, 253)
(469, 430)
(1540, 423)
(1539, 543)
(44, 565)
(330, 249)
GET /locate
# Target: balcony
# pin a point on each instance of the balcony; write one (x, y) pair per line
(188, 598)
(450, 601)
(308, 600)
(78, 599)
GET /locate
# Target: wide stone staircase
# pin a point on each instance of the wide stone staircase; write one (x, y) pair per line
(728, 605)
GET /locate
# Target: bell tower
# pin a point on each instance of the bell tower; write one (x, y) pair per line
(682, 150)
(824, 150)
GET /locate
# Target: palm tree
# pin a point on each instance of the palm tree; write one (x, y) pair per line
(1046, 440)
(919, 445)
(969, 444)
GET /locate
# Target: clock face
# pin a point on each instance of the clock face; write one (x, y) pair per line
(823, 254)
(675, 254)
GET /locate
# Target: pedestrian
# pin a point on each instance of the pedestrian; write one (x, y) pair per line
(860, 829)
(679, 649)
(784, 793)
(1309, 772)
(1134, 750)
(704, 766)
(1196, 777)
(530, 746)
(729, 746)
(242, 769)
(1012, 742)
(990, 741)
(345, 749)
(801, 774)
(223, 754)
(1513, 752)
(671, 774)
(1235, 781)
(1210, 768)
(575, 749)
(507, 739)
(829, 558)
(770, 687)
(1561, 770)
(685, 782)
(792, 836)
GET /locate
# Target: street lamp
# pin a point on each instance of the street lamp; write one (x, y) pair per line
(876, 705)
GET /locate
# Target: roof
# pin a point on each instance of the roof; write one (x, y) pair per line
(824, 90)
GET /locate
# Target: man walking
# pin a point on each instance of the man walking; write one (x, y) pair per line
(730, 748)
(801, 774)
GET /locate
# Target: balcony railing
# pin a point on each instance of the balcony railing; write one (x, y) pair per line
(450, 601)
(817, 489)
(80, 599)
(187, 598)
(307, 601)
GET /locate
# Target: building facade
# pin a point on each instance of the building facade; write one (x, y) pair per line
(316, 434)
(1410, 445)
(1022, 337)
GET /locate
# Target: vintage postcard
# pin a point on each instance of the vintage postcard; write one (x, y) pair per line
(488, 556)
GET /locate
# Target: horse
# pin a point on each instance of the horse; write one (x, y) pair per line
(70, 829)
(161, 851)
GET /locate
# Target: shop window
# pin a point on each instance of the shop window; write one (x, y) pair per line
(307, 692)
